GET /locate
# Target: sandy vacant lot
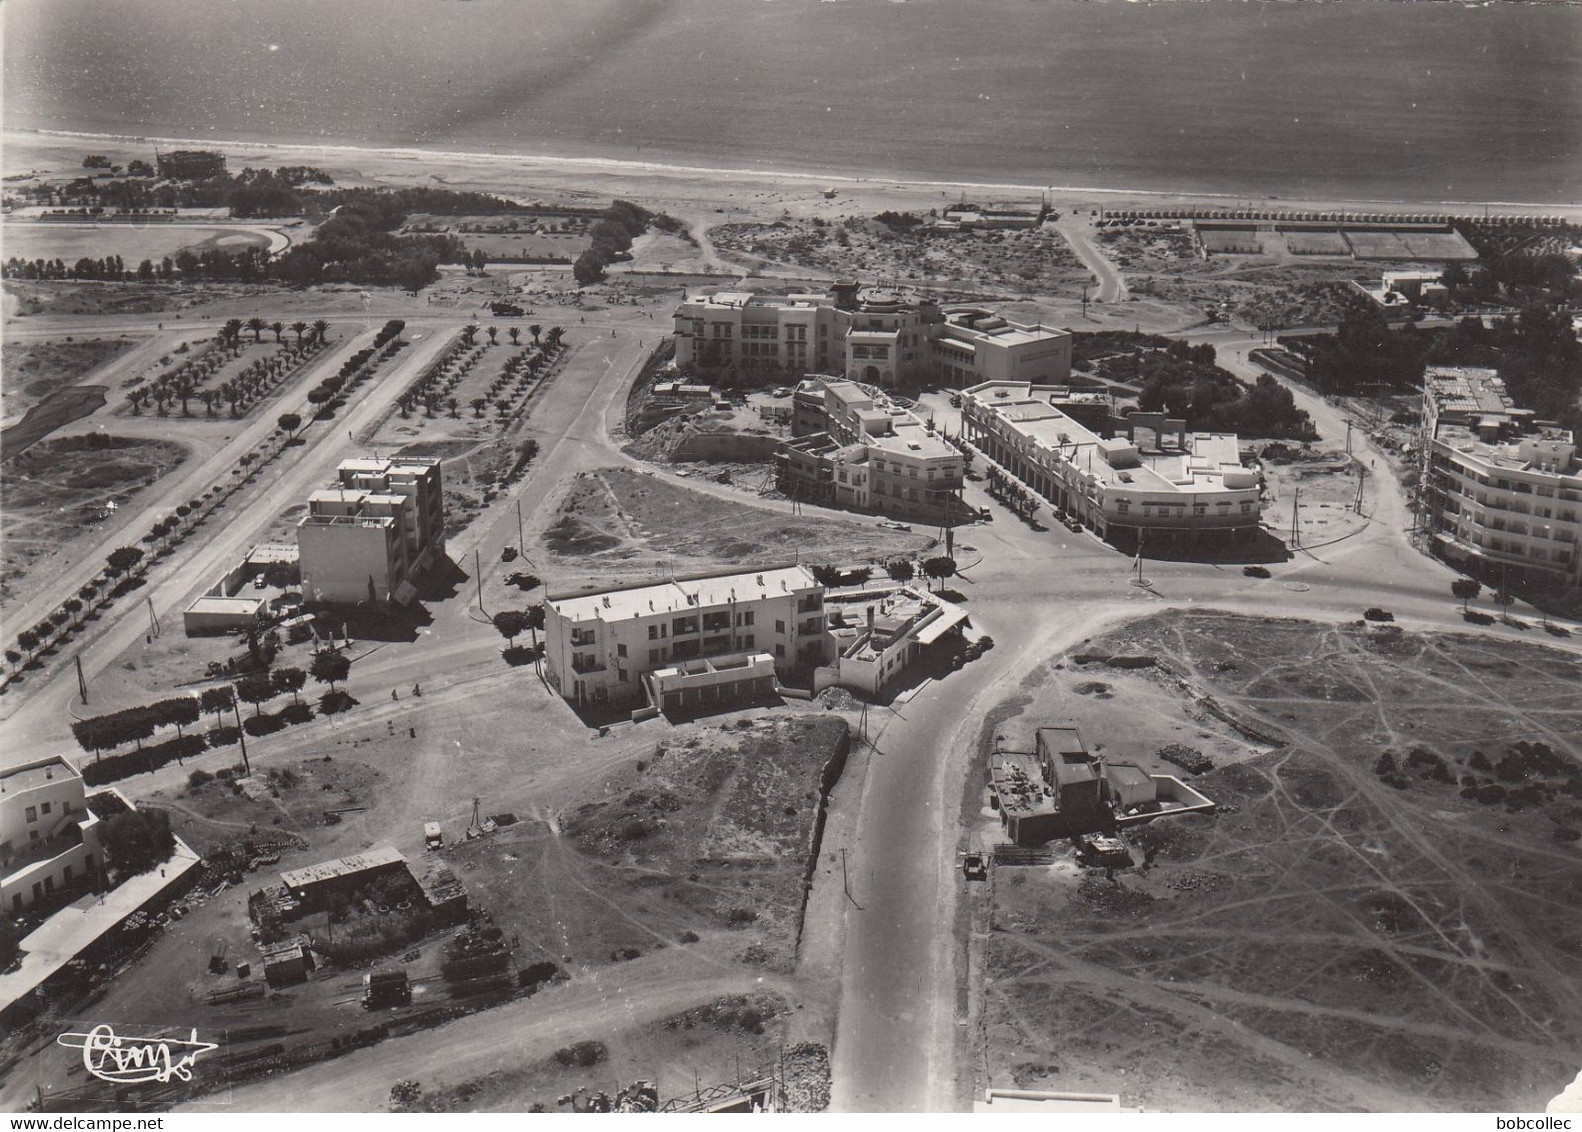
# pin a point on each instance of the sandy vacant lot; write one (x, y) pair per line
(1349, 931)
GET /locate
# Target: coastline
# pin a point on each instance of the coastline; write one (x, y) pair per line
(567, 173)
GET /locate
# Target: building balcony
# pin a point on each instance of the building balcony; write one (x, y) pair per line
(585, 663)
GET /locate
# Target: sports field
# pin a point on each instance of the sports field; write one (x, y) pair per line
(132, 242)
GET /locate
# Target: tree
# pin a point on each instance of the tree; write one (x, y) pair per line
(277, 327)
(139, 168)
(256, 325)
(479, 404)
(122, 559)
(231, 331)
(826, 575)
(137, 840)
(535, 330)
(290, 680)
(556, 333)
(289, 423)
(511, 624)
(939, 567)
(297, 328)
(516, 335)
(405, 1094)
(320, 328)
(1466, 589)
(257, 689)
(329, 666)
(1504, 598)
(218, 700)
(900, 570)
(589, 267)
(27, 641)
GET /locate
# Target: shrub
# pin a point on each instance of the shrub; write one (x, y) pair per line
(266, 724)
(199, 778)
(296, 713)
(585, 1054)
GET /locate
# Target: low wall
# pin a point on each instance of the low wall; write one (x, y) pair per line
(730, 446)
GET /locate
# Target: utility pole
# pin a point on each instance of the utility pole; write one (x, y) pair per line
(82, 683)
(520, 545)
(241, 733)
(1348, 436)
(153, 621)
(1296, 504)
(477, 569)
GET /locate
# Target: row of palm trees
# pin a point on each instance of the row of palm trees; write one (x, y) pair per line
(231, 332)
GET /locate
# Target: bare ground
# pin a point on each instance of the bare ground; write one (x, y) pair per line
(1328, 940)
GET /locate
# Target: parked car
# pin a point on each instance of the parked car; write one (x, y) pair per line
(1374, 613)
(1255, 571)
(894, 525)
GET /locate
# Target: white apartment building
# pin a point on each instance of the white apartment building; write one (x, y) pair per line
(1182, 490)
(881, 337)
(369, 537)
(49, 839)
(687, 642)
(852, 449)
(1502, 493)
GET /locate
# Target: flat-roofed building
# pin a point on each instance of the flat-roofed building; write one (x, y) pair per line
(1182, 490)
(603, 646)
(883, 337)
(368, 538)
(49, 839)
(1502, 492)
(868, 454)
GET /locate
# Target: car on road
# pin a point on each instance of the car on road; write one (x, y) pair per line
(1255, 571)
(783, 391)
(893, 525)
(1374, 613)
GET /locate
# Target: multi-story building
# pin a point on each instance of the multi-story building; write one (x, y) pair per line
(1502, 492)
(49, 838)
(1180, 491)
(686, 642)
(190, 164)
(370, 537)
(851, 449)
(882, 337)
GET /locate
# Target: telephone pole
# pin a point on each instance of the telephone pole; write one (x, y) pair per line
(1296, 504)
(477, 569)
(82, 683)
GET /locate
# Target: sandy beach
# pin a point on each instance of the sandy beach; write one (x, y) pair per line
(686, 191)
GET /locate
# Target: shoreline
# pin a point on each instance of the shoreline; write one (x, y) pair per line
(590, 167)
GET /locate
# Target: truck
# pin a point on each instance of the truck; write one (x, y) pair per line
(506, 310)
(433, 836)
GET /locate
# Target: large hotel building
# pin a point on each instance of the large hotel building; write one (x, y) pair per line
(1502, 492)
(1166, 489)
(880, 337)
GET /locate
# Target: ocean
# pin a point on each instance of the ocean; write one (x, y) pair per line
(1361, 99)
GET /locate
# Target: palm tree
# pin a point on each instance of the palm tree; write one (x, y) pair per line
(452, 404)
(555, 334)
(479, 404)
(516, 335)
(277, 327)
(319, 329)
(230, 331)
(298, 327)
(494, 333)
(468, 333)
(535, 330)
(256, 325)
(136, 401)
